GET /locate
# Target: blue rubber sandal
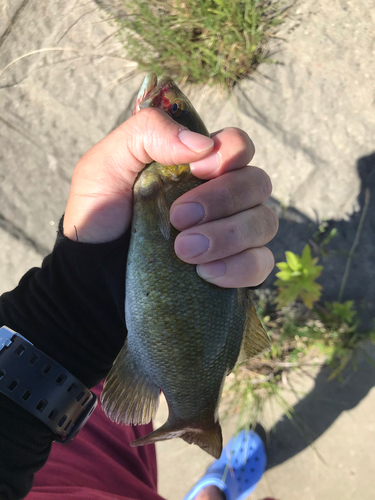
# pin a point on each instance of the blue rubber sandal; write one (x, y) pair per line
(238, 470)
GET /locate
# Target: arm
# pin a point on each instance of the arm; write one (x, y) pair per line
(62, 313)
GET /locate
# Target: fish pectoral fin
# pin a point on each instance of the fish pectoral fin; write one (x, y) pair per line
(150, 188)
(209, 439)
(255, 339)
(163, 214)
(127, 395)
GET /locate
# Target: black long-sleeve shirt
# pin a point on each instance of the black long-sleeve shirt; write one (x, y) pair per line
(72, 309)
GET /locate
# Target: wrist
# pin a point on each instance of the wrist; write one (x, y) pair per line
(41, 386)
(72, 308)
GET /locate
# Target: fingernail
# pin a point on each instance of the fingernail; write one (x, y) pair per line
(192, 245)
(194, 141)
(186, 215)
(212, 269)
(206, 166)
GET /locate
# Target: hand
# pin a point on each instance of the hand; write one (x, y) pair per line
(227, 210)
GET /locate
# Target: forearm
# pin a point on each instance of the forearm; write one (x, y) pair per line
(71, 309)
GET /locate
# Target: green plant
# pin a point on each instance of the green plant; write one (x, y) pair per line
(322, 238)
(339, 313)
(200, 41)
(301, 338)
(341, 339)
(247, 392)
(296, 279)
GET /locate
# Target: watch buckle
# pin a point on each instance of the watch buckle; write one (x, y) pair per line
(6, 335)
(80, 422)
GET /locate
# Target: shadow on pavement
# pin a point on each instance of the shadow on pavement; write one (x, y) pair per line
(324, 404)
(316, 412)
(296, 230)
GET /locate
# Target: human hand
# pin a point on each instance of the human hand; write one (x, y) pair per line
(227, 210)
(99, 207)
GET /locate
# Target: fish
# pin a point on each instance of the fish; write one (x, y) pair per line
(184, 335)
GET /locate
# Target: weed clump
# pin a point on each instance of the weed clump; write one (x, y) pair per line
(303, 333)
(200, 41)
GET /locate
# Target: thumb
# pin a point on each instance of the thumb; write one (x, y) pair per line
(99, 207)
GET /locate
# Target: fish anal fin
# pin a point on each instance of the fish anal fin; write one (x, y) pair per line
(209, 439)
(255, 339)
(128, 396)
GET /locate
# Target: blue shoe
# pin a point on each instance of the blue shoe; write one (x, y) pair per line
(238, 470)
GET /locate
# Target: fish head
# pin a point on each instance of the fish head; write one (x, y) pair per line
(166, 95)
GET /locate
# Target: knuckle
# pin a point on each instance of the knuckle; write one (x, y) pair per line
(147, 114)
(265, 184)
(153, 123)
(141, 124)
(229, 199)
(271, 260)
(235, 234)
(153, 134)
(263, 225)
(239, 141)
(271, 222)
(256, 274)
(243, 138)
(275, 221)
(268, 263)
(262, 265)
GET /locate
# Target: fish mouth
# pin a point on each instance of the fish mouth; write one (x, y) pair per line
(153, 94)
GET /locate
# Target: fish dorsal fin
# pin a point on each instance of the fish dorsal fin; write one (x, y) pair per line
(255, 339)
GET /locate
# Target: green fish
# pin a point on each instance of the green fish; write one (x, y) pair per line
(185, 335)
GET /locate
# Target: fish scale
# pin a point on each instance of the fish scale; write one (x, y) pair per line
(184, 334)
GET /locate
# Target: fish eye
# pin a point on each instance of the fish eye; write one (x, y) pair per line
(174, 107)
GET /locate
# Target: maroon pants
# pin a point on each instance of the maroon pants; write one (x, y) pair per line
(99, 464)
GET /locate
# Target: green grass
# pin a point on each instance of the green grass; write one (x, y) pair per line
(300, 338)
(213, 42)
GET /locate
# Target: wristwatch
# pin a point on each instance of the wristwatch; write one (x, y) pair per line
(44, 388)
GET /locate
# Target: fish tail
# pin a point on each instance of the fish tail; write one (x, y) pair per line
(128, 396)
(209, 439)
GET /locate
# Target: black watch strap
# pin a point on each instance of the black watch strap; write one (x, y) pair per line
(43, 387)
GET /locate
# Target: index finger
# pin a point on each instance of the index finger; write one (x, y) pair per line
(233, 149)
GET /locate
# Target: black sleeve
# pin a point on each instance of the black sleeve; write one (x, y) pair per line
(72, 308)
